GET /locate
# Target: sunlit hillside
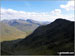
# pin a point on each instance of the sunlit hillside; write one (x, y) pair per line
(10, 33)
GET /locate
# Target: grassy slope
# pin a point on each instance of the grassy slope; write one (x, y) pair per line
(10, 33)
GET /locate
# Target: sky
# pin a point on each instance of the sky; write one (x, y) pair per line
(37, 10)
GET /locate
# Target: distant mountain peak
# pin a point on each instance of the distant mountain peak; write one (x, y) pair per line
(30, 20)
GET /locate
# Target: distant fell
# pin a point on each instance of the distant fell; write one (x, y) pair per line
(27, 26)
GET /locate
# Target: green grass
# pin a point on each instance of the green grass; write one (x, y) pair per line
(10, 33)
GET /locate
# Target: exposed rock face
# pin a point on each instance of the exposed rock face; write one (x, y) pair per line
(49, 39)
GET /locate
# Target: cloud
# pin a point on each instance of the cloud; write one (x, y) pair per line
(42, 16)
(69, 6)
(56, 11)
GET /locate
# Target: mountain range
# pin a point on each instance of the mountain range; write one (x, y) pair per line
(50, 39)
(27, 26)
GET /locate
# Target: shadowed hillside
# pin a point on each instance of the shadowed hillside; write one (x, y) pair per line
(49, 39)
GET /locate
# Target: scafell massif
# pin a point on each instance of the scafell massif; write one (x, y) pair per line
(27, 26)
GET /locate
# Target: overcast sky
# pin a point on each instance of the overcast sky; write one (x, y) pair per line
(37, 10)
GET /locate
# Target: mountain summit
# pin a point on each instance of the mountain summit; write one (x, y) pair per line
(48, 39)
